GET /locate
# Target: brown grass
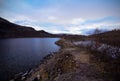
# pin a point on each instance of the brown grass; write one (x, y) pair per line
(110, 38)
(109, 67)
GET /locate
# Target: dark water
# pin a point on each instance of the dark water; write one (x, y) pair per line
(20, 54)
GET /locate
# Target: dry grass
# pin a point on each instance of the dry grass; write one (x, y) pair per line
(110, 38)
(109, 67)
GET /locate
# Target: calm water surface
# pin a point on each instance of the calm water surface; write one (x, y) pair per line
(20, 54)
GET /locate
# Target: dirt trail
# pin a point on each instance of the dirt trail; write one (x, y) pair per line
(80, 55)
(85, 70)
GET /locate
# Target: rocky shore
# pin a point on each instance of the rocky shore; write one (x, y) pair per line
(70, 63)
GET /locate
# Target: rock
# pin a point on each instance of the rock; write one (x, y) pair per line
(23, 78)
(25, 74)
(35, 79)
(39, 77)
(19, 74)
(66, 56)
(30, 72)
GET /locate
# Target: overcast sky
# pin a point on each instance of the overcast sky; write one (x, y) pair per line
(63, 16)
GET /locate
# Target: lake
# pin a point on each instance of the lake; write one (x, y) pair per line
(20, 54)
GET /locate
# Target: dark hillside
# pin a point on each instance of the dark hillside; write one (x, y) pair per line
(8, 30)
(110, 37)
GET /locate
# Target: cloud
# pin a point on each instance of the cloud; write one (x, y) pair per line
(58, 16)
(65, 10)
(52, 18)
(75, 26)
(77, 21)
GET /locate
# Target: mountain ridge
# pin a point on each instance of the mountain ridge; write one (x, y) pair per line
(11, 30)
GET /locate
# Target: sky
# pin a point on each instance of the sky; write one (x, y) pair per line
(63, 16)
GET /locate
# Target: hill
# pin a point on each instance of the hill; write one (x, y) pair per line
(109, 37)
(11, 30)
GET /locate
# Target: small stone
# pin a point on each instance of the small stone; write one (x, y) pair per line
(23, 78)
(30, 72)
(73, 61)
(35, 79)
(25, 74)
(19, 74)
(66, 56)
(39, 77)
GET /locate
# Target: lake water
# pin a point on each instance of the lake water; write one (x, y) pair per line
(20, 54)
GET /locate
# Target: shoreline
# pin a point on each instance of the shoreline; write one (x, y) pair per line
(58, 66)
(24, 75)
(70, 63)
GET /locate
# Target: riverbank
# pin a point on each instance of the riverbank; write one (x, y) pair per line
(70, 63)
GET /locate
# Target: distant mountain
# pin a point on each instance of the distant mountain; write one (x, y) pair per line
(9, 30)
